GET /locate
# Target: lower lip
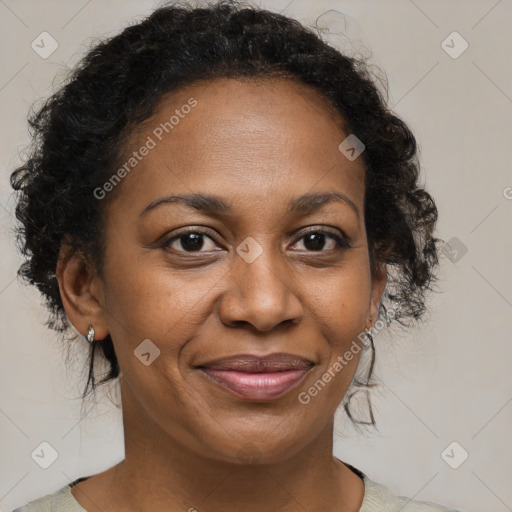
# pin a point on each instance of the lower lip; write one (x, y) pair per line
(257, 386)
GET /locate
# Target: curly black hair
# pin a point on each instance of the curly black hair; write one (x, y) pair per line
(79, 133)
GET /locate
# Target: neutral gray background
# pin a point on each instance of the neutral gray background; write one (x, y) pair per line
(449, 381)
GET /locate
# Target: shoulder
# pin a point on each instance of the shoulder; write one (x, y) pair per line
(61, 500)
(378, 498)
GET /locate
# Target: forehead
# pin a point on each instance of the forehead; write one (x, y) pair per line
(234, 136)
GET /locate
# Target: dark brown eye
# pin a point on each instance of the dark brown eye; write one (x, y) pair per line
(191, 241)
(316, 241)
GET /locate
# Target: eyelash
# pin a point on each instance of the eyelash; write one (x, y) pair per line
(341, 241)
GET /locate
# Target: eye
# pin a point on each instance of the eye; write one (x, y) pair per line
(315, 240)
(190, 241)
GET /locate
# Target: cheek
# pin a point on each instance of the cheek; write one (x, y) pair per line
(145, 295)
(146, 299)
(149, 302)
(343, 302)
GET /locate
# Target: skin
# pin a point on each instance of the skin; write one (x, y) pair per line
(257, 145)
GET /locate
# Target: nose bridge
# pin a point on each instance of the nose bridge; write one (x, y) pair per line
(262, 272)
(260, 292)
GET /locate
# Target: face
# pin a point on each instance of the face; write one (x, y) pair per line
(271, 258)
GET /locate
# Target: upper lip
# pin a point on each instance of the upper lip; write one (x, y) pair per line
(250, 363)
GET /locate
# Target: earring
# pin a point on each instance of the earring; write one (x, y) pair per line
(90, 334)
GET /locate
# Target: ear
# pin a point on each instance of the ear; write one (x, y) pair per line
(379, 281)
(81, 291)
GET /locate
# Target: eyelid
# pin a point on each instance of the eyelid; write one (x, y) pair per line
(336, 232)
(205, 230)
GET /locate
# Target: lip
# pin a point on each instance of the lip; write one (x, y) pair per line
(258, 378)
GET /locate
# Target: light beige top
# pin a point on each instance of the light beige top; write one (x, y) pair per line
(377, 498)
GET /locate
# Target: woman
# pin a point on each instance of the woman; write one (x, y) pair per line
(223, 206)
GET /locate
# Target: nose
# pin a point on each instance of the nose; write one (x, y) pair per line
(261, 293)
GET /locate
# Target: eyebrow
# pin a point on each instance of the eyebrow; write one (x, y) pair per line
(211, 204)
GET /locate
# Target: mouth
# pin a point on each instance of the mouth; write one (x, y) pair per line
(258, 378)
